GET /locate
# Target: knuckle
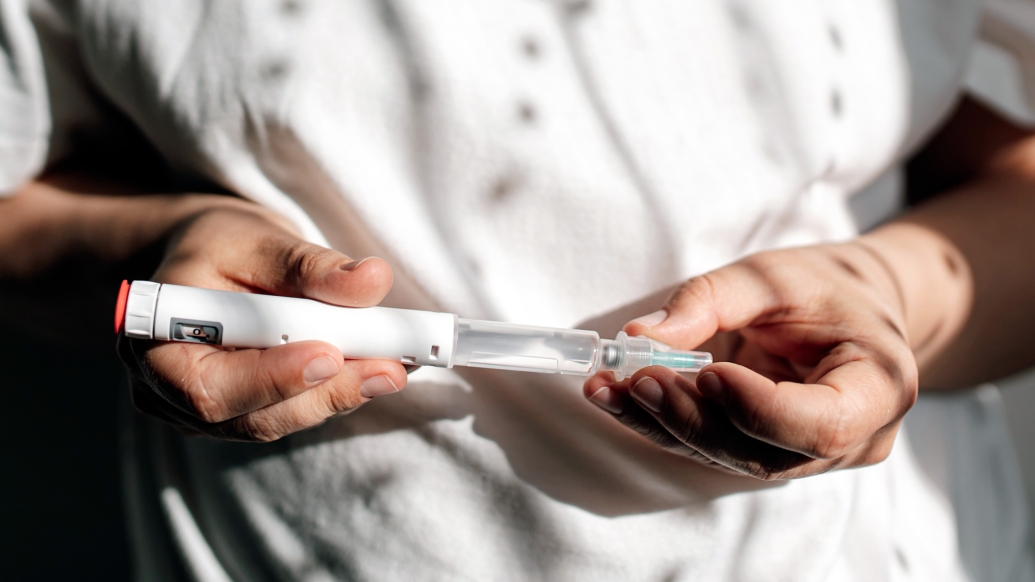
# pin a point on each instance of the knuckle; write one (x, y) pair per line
(766, 474)
(898, 364)
(899, 380)
(647, 427)
(755, 469)
(832, 441)
(752, 416)
(690, 428)
(305, 261)
(878, 450)
(781, 465)
(759, 261)
(659, 436)
(276, 388)
(148, 366)
(259, 427)
(697, 289)
(910, 380)
(199, 400)
(202, 405)
(342, 400)
(163, 371)
(766, 263)
(875, 456)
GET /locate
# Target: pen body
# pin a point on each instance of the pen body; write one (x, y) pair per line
(248, 320)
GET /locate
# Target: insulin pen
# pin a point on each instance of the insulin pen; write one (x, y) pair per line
(166, 312)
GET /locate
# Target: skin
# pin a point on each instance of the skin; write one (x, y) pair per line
(259, 395)
(820, 350)
(218, 242)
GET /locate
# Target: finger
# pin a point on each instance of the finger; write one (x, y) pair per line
(614, 399)
(854, 399)
(315, 272)
(691, 419)
(599, 389)
(215, 385)
(358, 382)
(723, 300)
(236, 247)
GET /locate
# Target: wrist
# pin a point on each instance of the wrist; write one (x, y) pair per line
(116, 227)
(933, 280)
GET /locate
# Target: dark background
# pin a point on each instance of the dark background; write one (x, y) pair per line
(62, 384)
(63, 387)
(62, 516)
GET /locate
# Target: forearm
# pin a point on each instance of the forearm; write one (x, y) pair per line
(66, 242)
(987, 326)
(963, 260)
(43, 225)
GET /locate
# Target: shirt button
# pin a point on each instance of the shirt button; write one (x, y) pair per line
(835, 37)
(577, 7)
(527, 113)
(291, 7)
(531, 49)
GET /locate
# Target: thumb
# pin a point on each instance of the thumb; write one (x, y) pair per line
(726, 299)
(247, 248)
(326, 275)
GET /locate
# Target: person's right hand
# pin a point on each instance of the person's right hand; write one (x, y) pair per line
(248, 394)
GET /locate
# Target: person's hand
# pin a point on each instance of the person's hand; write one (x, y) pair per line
(818, 372)
(258, 395)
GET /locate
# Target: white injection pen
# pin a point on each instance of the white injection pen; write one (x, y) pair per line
(166, 312)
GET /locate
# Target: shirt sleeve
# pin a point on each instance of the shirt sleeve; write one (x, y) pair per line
(1001, 72)
(24, 111)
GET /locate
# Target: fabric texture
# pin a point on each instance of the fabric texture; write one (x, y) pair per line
(542, 163)
(967, 454)
(1002, 70)
(25, 122)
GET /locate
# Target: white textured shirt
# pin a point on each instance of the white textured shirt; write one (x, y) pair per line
(541, 162)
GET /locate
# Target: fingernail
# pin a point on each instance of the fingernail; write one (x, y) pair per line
(652, 319)
(648, 393)
(607, 399)
(712, 386)
(352, 266)
(377, 386)
(321, 369)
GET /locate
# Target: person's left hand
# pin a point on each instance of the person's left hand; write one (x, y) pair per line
(815, 368)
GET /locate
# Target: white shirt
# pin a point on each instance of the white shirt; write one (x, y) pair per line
(538, 162)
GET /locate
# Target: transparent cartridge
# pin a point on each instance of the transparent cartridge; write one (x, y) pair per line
(505, 346)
